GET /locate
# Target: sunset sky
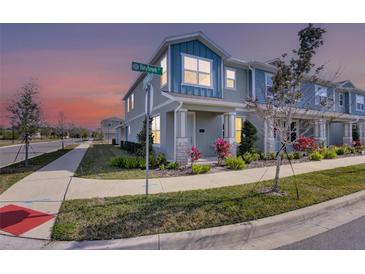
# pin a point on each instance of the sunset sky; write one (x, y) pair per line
(84, 69)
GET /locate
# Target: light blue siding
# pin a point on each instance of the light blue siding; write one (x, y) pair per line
(353, 104)
(195, 48)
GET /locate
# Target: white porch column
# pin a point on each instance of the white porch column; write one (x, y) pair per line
(181, 137)
(320, 131)
(269, 136)
(361, 126)
(229, 130)
(347, 137)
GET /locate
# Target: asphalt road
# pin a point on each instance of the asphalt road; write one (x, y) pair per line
(350, 236)
(8, 153)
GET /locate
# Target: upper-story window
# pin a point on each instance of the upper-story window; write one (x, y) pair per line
(156, 130)
(238, 133)
(341, 99)
(130, 102)
(163, 64)
(230, 78)
(197, 71)
(360, 101)
(320, 95)
(268, 84)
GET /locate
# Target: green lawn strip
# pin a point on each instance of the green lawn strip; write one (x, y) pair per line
(130, 216)
(11, 174)
(95, 164)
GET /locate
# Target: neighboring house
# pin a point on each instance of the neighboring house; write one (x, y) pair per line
(203, 94)
(108, 128)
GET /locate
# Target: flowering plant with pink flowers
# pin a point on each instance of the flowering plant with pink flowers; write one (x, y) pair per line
(194, 154)
(222, 149)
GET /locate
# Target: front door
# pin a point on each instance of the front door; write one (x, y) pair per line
(191, 129)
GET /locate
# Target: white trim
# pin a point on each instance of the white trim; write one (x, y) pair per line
(253, 85)
(225, 78)
(169, 82)
(197, 72)
(204, 101)
(162, 105)
(175, 129)
(193, 113)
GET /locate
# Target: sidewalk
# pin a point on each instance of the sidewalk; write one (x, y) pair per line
(81, 188)
(41, 191)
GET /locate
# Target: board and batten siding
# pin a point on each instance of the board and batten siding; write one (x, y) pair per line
(198, 49)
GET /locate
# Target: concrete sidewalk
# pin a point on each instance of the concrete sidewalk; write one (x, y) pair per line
(89, 188)
(45, 189)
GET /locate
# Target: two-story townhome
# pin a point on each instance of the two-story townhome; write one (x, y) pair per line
(203, 94)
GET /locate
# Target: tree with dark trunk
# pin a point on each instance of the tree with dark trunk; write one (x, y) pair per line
(26, 113)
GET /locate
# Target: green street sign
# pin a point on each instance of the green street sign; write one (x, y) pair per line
(146, 68)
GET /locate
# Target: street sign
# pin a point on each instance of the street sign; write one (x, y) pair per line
(146, 68)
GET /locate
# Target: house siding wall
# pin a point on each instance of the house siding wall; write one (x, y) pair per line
(353, 104)
(195, 48)
(241, 92)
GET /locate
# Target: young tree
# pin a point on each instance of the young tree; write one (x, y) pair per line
(141, 136)
(248, 138)
(61, 126)
(282, 101)
(26, 113)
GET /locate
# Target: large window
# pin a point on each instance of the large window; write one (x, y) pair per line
(163, 64)
(320, 95)
(268, 85)
(156, 130)
(360, 101)
(238, 122)
(197, 71)
(230, 78)
(341, 99)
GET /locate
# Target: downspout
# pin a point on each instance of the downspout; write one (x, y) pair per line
(175, 129)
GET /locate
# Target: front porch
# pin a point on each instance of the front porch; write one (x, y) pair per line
(327, 132)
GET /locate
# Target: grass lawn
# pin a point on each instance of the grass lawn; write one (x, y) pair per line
(95, 164)
(129, 216)
(11, 174)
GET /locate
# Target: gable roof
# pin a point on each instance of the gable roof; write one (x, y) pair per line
(200, 36)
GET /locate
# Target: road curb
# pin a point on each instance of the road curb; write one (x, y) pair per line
(209, 238)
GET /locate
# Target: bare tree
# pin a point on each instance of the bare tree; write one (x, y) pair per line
(61, 126)
(285, 99)
(26, 113)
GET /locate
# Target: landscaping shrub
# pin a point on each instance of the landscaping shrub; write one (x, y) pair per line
(199, 169)
(290, 156)
(305, 144)
(329, 153)
(342, 150)
(315, 156)
(130, 147)
(162, 167)
(249, 157)
(263, 156)
(272, 155)
(297, 155)
(172, 165)
(248, 138)
(194, 154)
(222, 149)
(156, 160)
(129, 162)
(235, 162)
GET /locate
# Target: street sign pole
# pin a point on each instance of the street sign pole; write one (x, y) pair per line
(151, 71)
(148, 87)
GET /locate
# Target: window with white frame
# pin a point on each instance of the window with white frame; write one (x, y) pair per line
(132, 101)
(321, 95)
(129, 130)
(128, 104)
(163, 64)
(230, 78)
(197, 71)
(156, 133)
(238, 124)
(360, 101)
(268, 85)
(341, 99)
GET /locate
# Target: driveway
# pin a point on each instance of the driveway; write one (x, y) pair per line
(8, 153)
